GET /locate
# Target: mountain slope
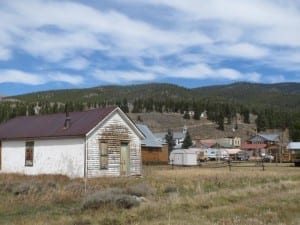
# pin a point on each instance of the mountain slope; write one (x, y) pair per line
(112, 93)
(282, 95)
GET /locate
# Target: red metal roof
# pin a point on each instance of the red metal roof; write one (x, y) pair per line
(208, 142)
(52, 125)
(246, 146)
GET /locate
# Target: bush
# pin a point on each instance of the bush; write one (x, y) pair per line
(26, 188)
(141, 190)
(110, 221)
(170, 189)
(74, 188)
(126, 201)
(81, 222)
(113, 197)
(7, 186)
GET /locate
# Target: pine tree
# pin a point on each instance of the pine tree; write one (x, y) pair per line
(169, 139)
(186, 115)
(220, 122)
(187, 142)
(261, 122)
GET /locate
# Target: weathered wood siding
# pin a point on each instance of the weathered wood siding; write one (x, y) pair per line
(155, 155)
(114, 131)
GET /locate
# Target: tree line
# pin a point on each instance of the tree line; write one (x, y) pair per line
(220, 112)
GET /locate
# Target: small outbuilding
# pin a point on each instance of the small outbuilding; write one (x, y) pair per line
(92, 143)
(153, 150)
(185, 157)
(294, 147)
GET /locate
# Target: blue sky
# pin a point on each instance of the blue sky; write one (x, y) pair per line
(76, 44)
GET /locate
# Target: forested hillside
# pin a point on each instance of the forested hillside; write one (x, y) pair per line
(276, 105)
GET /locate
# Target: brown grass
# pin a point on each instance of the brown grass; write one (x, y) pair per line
(179, 196)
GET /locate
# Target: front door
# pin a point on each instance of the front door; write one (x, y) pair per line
(124, 162)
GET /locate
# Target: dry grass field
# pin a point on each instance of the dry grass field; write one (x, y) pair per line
(176, 196)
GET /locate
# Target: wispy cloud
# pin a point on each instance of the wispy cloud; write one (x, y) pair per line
(77, 63)
(119, 76)
(5, 54)
(17, 76)
(239, 50)
(66, 78)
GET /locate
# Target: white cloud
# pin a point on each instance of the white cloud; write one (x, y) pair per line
(204, 71)
(5, 54)
(199, 71)
(16, 76)
(240, 50)
(275, 79)
(66, 78)
(59, 33)
(119, 77)
(77, 63)
(54, 47)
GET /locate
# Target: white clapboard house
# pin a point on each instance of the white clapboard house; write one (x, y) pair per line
(98, 142)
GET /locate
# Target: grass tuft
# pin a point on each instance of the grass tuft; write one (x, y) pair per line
(110, 197)
(140, 190)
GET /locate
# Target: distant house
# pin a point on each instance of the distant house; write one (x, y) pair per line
(253, 149)
(294, 148)
(178, 137)
(203, 115)
(153, 151)
(229, 142)
(205, 143)
(98, 142)
(270, 142)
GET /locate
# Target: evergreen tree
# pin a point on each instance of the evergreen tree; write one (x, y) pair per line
(295, 131)
(197, 115)
(187, 142)
(261, 122)
(170, 141)
(124, 106)
(220, 122)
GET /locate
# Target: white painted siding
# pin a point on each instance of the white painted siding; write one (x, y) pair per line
(57, 156)
(115, 129)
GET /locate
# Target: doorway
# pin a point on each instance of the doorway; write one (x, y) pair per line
(124, 159)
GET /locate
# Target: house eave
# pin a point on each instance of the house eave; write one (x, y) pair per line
(43, 138)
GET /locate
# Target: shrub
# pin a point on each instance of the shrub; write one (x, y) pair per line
(112, 196)
(110, 221)
(74, 188)
(141, 190)
(126, 201)
(26, 188)
(170, 189)
(7, 186)
(81, 222)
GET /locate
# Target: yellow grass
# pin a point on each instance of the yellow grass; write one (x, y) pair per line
(182, 195)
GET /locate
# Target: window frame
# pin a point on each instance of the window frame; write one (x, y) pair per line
(29, 153)
(103, 154)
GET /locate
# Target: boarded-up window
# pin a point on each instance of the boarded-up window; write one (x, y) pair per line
(103, 155)
(29, 153)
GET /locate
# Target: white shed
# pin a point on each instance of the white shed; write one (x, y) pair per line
(98, 142)
(185, 157)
